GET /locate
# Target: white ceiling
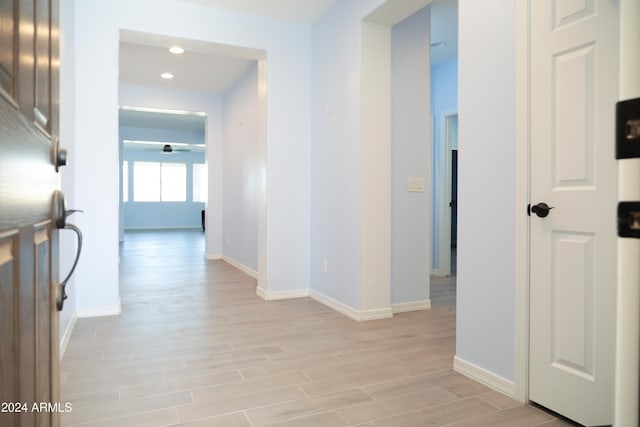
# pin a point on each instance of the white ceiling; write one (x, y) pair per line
(162, 119)
(444, 28)
(214, 68)
(141, 64)
(208, 67)
(297, 11)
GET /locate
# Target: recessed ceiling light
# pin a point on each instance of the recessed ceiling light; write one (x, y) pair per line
(177, 50)
(167, 76)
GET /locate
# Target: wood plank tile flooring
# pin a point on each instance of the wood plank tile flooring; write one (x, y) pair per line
(194, 346)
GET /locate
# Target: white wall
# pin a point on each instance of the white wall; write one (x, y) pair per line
(94, 86)
(335, 153)
(241, 171)
(375, 170)
(486, 194)
(163, 134)
(411, 157)
(351, 159)
(163, 215)
(96, 133)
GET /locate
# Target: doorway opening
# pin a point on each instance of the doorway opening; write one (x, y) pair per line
(447, 202)
(163, 169)
(451, 143)
(444, 148)
(444, 108)
(222, 89)
(454, 210)
(443, 289)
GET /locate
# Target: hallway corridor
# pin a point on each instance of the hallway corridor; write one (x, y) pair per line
(194, 346)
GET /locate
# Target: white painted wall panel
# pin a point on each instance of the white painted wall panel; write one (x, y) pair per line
(335, 154)
(240, 199)
(375, 163)
(95, 165)
(411, 156)
(341, 202)
(486, 193)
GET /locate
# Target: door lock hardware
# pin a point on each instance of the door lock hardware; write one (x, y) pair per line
(628, 129)
(541, 209)
(58, 154)
(629, 219)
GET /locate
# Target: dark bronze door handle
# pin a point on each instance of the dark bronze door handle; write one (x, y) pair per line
(541, 209)
(60, 214)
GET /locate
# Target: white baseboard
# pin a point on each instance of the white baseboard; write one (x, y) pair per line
(336, 305)
(404, 307)
(240, 266)
(481, 375)
(378, 313)
(213, 257)
(113, 310)
(66, 336)
(359, 315)
(277, 295)
(167, 228)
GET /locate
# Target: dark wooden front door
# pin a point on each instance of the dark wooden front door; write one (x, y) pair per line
(29, 336)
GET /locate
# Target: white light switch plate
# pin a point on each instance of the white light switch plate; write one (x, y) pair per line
(416, 184)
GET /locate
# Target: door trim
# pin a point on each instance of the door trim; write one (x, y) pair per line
(626, 384)
(522, 185)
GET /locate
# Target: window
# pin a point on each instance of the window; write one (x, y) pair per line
(173, 182)
(146, 182)
(159, 182)
(200, 182)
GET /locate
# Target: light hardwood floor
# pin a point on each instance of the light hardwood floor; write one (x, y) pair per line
(194, 346)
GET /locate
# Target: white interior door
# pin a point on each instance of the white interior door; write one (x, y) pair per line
(574, 75)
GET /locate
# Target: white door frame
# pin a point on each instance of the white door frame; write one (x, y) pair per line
(444, 212)
(628, 317)
(522, 185)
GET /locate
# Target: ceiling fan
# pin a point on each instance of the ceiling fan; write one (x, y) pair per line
(162, 146)
(168, 149)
